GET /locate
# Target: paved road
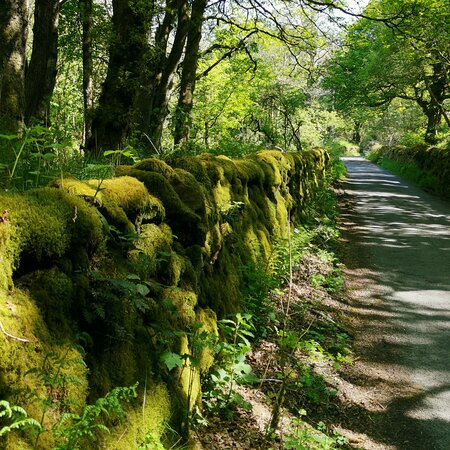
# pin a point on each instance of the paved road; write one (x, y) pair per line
(402, 236)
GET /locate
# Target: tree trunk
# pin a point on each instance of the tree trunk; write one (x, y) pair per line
(434, 116)
(189, 72)
(114, 118)
(41, 73)
(158, 106)
(13, 36)
(88, 89)
(356, 137)
(437, 86)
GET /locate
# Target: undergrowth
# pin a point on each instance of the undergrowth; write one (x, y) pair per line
(410, 172)
(324, 339)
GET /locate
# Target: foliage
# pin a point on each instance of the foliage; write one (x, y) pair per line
(410, 171)
(17, 418)
(38, 155)
(408, 61)
(231, 367)
(303, 437)
(75, 430)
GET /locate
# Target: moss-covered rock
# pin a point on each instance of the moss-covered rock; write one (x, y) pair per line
(145, 423)
(182, 232)
(208, 320)
(132, 196)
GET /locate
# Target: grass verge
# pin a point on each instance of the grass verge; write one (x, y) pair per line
(411, 172)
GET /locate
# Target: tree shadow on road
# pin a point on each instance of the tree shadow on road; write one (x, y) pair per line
(397, 252)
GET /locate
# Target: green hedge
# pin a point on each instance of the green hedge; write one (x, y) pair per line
(427, 166)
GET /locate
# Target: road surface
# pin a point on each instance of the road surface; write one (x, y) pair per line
(400, 283)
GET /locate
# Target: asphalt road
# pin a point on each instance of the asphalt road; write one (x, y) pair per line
(402, 237)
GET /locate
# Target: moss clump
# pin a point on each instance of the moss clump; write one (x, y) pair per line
(82, 219)
(189, 378)
(145, 422)
(185, 223)
(249, 171)
(107, 207)
(184, 302)
(53, 293)
(7, 256)
(152, 247)
(155, 165)
(208, 319)
(195, 167)
(132, 196)
(190, 191)
(21, 316)
(45, 224)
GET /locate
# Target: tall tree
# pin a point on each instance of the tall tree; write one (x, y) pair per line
(155, 111)
(410, 61)
(41, 72)
(189, 72)
(113, 119)
(13, 36)
(86, 11)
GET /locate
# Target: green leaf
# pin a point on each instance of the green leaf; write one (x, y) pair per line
(142, 289)
(133, 276)
(111, 152)
(9, 137)
(172, 360)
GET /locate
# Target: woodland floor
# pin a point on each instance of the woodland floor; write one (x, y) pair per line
(347, 411)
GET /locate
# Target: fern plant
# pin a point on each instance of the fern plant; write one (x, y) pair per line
(17, 418)
(75, 429)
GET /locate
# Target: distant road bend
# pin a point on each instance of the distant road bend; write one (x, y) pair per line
(402, 293)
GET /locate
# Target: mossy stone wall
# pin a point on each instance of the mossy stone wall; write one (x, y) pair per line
(432, 160)
(135, 262)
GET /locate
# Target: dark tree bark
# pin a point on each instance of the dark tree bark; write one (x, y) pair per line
(158, 105)
(41, 73)
(88, 89)
(434, 117)
(114, 118)
(135, 93)
(437, 87)
(356, 137)
(189, 73)
(13, 36)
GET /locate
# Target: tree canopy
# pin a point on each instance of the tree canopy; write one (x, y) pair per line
(164, 75)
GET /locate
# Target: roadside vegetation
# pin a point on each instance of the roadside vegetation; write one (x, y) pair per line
(169, 267)
(427, 167)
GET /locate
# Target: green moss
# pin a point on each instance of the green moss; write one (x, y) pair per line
(53, 293)
(44, 224)
(208, 319)
(189, 377)
(249, 171)
(155, 165)
(159, 186)
(83, 221)
(150, 416)
(153, 240)
(196, 167)
(21, 317)
(175, 269)
(185, 223)
(184, 302)
(132, 196)
(7, 256)
(191, 192)
(59, 235)
(92, 193)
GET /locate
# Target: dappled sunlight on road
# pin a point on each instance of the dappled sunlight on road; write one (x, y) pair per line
(400, 281)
